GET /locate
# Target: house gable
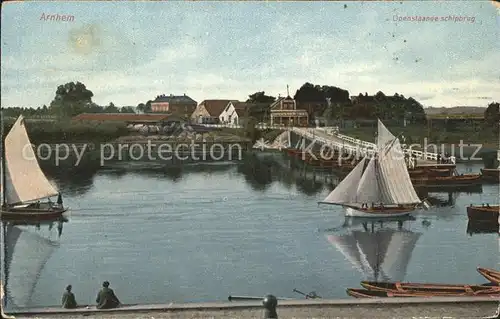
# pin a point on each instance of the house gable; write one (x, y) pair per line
(215, 107)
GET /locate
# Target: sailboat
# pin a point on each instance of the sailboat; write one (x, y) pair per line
(381, 254)
(381, 180)
(23, 182)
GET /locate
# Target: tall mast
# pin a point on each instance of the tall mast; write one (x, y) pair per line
(3, 160)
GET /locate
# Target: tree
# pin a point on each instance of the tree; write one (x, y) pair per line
(314, 98)
(147, 107)
(491, 114)
(260, 97)
(141, 107)
(111, 108)
(127, 109)
(71, 99)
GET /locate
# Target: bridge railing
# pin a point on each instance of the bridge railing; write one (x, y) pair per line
(417, 153)
(363, 147)
(351, 149)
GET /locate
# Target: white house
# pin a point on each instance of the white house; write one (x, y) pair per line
(232, 113)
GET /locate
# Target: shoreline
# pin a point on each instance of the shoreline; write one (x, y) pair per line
(452, 307)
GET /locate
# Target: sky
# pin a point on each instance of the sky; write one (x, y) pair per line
(130, 52)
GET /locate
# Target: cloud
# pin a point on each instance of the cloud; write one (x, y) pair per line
(227, 52)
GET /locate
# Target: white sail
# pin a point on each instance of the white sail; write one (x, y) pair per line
(345, 192)
(368, 190)
(384, 136)
(26, 255)
(25, 181)
(394, 179)
(384, 254)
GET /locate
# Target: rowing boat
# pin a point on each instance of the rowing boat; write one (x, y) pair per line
(441, 289)
(491, 274)
(365, 293)
(483, 213)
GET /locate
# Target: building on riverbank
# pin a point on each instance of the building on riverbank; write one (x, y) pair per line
(209, 111)
(181, 105)
(284, 111)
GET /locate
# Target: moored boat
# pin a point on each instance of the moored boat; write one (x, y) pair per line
(431, 172)
(24, 184)
(379, 186)
(430, 288)
(490, 274)
(456, 180)
(483, 213)
(365, 293)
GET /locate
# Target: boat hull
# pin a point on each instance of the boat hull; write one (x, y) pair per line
(480, 213)
(364, 293)
(434, 289)
(351, 212)
(431, 172)
(461, 180)
(43, 211)
(490, 274)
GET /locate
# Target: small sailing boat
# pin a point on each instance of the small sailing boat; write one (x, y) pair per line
(384, 183)
(24, 184)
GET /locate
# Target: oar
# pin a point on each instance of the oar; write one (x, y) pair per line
(242, 298)
(311, 295)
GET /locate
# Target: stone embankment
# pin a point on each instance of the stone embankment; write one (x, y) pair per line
(400, 308)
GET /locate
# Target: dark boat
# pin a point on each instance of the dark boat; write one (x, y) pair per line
(434, 289)
(491, 174)
(483, 213)
(491, 274)
(23, 182)
(431, 172)
(456, 180)
(429, 188)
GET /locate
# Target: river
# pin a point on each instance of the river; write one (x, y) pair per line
(202, 232)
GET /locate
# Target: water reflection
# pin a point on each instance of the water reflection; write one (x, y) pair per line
(72, 180)
(260, 171)
(379, 250)
(27, 246)
(474, 227)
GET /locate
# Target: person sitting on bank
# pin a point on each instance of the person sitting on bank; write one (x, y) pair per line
(68, 299)
(106, 298)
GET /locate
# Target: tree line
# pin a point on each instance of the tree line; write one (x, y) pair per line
(321, 101)
(70, 100)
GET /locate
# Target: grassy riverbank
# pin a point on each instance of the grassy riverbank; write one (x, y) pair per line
(65, 130)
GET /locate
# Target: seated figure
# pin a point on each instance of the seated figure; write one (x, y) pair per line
(68, 299)
(106, 298)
